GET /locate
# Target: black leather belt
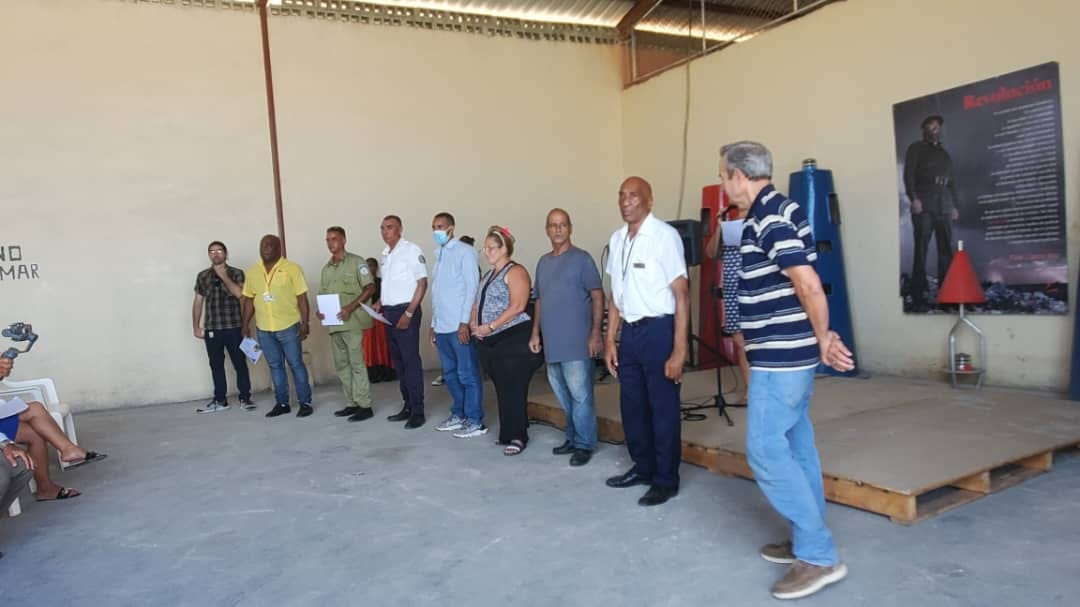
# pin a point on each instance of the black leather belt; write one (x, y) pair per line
(641, 322)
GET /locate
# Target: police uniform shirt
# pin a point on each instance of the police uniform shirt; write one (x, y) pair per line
(643, 268)
(400, 269)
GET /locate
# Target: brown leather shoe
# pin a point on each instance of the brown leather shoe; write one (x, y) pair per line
(780, 554)
(803, 579)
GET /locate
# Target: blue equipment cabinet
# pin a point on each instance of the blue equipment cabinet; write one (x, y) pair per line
(813, 189)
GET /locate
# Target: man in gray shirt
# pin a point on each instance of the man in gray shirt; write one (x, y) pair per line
(568, 288)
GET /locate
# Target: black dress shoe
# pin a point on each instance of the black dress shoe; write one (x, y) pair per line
(305, 410)
(657, 495)
(629, 479)
(279, 409)
(563, 449)
(347, 411)
(361, 414)
(415, 421)
(580, 457)
(400, 416)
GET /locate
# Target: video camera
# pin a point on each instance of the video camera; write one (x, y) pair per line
(19, 331)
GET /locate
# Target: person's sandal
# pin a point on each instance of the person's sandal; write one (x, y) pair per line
(64, 493)
(515, 447)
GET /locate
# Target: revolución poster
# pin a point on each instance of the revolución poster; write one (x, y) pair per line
(983, 163)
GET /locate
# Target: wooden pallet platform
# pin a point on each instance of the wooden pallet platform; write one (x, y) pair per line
(907, 450)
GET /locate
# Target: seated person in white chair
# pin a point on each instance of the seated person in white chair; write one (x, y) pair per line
(35, 428)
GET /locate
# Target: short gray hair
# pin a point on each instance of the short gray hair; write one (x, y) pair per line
(750, 157)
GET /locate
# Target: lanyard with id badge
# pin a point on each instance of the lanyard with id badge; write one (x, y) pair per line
(267, 297)
(628, 253)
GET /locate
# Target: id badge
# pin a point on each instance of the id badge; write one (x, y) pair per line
(267, 297)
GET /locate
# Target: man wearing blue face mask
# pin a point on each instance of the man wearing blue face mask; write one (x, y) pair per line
(453, 286)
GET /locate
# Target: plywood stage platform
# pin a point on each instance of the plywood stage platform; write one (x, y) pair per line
(908, 450)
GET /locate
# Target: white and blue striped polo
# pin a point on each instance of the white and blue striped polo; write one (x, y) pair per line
(776, 235)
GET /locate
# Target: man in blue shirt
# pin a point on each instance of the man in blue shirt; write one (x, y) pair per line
(785, 322)
(453, 289)
(569, 288)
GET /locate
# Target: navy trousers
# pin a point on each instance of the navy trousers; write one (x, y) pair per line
(649, 402)
(405, 353)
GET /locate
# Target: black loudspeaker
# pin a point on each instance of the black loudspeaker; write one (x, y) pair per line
(690, 232)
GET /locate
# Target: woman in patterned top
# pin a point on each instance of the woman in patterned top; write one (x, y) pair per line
(502, 329)
(730, 261)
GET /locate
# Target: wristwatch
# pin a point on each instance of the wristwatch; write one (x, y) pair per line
(491, 327)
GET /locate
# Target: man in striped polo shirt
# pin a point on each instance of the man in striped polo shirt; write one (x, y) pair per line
(785, 321)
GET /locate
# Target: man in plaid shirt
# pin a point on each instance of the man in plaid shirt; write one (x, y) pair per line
(218, 289)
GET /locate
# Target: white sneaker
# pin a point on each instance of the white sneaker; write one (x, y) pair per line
(438, 381)
(451, 423)
(470, 430)
(213, 407)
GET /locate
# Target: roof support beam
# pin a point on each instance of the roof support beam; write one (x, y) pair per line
(635, 14)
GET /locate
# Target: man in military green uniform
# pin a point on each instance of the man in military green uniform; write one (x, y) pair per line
(348, 276)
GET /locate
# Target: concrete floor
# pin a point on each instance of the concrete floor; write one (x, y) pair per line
(235, 509)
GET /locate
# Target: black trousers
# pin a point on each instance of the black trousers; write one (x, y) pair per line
(405, 354)
(924, 225)
(217, 342)
(507, 360)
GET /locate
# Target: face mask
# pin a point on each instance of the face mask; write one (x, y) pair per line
(441, 237)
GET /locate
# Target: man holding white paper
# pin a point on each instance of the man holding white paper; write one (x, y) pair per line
(345, 284)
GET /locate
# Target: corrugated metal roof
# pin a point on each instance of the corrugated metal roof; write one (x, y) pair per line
(585, 12)
(724, 19)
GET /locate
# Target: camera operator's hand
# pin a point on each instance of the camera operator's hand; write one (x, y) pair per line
(5, 367)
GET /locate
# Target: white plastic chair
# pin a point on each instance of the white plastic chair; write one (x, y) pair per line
(44, 391)
(15, 509)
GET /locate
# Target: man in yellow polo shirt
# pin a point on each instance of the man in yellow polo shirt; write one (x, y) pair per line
(276, 294)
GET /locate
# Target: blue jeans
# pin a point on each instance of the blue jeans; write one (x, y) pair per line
(780, 450)
(461, 376)
(572, 381)
(280, 347)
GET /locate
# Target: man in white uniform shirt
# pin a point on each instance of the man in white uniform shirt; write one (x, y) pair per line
(650, 299)
(404, 282)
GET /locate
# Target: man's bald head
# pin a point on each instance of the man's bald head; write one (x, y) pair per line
(557, 213)
(641, 184)
(635, 200)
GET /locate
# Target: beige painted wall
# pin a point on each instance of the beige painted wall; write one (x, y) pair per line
(823, 86)
(132, 136)
(385, 120)
(135, 134)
